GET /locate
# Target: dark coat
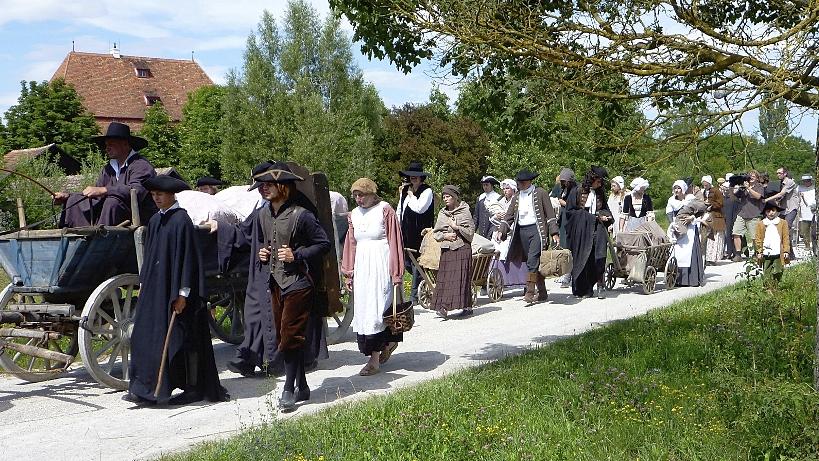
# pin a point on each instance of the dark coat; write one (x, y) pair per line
(115, 207)
(483, 226)
(546, 223)
(587, 239)
(172, 261)
(413, 223)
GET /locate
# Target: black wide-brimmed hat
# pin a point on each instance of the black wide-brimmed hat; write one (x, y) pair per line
(165, 183)
(599, 171)
(526, 175)
(257, 170)
(414, 169)
(771, 204)
(208, 181)
(278, 172)
(118, 130)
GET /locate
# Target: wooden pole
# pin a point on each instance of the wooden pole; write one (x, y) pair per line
(164, 355)
(21, 213)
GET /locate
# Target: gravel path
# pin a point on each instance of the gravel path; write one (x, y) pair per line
(74, 418)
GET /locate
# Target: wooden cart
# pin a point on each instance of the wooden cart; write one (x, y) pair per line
(636, 259)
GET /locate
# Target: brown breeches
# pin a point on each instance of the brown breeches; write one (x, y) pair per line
(290, 314)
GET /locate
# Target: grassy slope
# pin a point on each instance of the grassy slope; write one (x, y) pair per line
(722, 376)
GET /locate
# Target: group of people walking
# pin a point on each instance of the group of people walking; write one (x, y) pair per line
(284, 311)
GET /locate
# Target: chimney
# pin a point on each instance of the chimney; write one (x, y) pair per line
(115, 51)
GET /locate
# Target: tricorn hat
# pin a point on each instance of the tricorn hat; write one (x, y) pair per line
(117, 130)
(525, 175)
(414, 169)
(491, 180)
(257, 170)
(208, 181)
(599, 171)
(165, 183)
(278, 172)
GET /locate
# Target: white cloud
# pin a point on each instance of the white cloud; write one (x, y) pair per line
(397, 88)
(217, 73)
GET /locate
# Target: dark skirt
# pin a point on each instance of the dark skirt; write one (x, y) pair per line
(453, 286)
(693, 276)
(367, 344)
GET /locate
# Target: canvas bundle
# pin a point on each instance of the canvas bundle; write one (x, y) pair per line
(555, 263)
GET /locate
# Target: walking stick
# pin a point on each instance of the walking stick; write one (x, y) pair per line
(164, 355)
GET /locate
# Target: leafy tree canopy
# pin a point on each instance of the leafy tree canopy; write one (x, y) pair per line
(199, 136)
(162, 136)
(50, 112)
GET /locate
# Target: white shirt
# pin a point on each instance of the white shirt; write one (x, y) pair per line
(526, 207)
(115, 164)
(807, 203)
(772, 244)
(184, 291)
(418, 204)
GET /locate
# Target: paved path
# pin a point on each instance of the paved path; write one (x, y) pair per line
(74, 418)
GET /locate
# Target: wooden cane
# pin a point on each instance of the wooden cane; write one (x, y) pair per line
(164, 355)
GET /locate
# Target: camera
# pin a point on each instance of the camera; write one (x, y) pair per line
(738, 179)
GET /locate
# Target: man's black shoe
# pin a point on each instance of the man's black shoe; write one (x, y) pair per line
(287, 402)
(186, 398)
(303, 395)
(137, 400)
(243, 368)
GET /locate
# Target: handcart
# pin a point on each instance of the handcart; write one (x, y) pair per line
(485, 274)
(637, 256)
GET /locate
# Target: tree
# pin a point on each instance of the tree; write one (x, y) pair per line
(48, 113)
(162, 137)
(200, 138)
(773, 121)
(300, 97)
(454, 148)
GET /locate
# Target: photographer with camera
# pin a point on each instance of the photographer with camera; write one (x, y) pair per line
(749, 194)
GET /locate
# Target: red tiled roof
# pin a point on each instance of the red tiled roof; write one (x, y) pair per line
(110, 87)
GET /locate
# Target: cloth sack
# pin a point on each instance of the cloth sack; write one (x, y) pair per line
(555, 263)
(400, 317)
(430, 251)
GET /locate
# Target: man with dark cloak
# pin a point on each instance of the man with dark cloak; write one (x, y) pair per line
(108, 201)
(172, 279)
(258, 349)
(588, 218)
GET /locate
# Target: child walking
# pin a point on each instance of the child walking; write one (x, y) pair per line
(773, 245)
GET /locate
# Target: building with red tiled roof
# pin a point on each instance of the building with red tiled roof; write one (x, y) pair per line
(120, 88)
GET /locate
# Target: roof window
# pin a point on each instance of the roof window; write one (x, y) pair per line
(143, 72)
(151, 100)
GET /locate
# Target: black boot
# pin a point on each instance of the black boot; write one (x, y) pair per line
(287, 402)
(303, 394)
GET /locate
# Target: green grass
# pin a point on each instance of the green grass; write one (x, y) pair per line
(722, 376)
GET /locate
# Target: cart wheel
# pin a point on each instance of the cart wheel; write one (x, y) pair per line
(671, 273)
(105, 330)
(227, 314)
(27, 367)
(339, 323)
(649, 279)
(425, 293)
(611, 277)
(495, 284)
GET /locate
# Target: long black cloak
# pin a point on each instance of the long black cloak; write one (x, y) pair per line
(587, 239)
(172, 261)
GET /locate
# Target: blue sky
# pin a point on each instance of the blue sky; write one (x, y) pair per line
(35, 36)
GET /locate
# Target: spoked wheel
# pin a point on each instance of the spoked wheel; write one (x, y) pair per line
(649, 280)
(227, 316)
(105, 330)
(34, 368)
(339, 323)
(611, 277)
(495, 284)
(425, 293)
(671, 272)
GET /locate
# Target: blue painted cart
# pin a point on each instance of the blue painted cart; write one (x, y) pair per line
(75, 290)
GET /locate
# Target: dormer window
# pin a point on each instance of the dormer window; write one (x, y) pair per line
(143, 72)
(151, 100)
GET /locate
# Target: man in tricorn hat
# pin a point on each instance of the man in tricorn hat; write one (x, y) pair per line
(532, 220)
(415, 212)
(208, 185)
(108, 201)
(295, 242)
(172, 280)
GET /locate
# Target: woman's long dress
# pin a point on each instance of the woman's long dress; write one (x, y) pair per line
(372, 282)
(514, 272)
(690, 263)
